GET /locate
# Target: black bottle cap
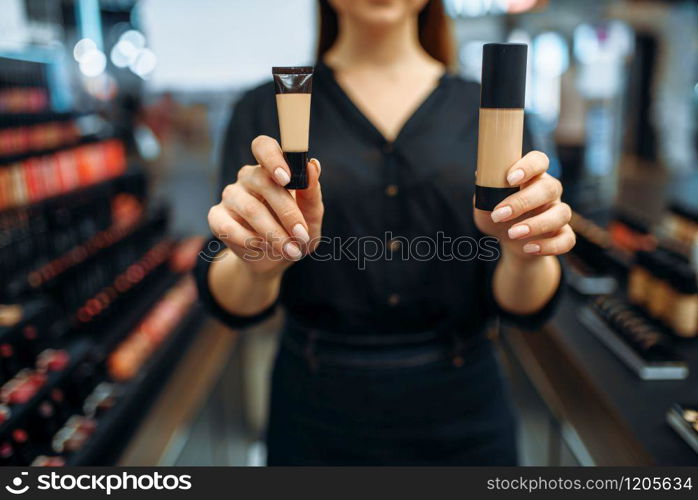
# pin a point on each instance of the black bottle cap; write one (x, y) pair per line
(503, 75)
(659, 265)
(684, 279)
(633, 222)
(298, 163)
(683, 210)
(643, 259)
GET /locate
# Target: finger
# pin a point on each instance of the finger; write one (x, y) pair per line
(261, 220)
(545, 189)
(269, 155)
(226, 228)
(531, 165)
(549, 221)
(280, 201)
(560, 243)
(310, 202)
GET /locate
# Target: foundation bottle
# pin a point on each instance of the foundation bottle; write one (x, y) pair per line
(500, 135)
(640, 279)
(682, 314)
(293, 87)
(659, 288)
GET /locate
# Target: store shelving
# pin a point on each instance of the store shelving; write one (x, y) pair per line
(77, 351)
(83, 265)
(108, 440)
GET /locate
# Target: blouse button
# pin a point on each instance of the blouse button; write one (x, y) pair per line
(394, 245)
(391, 190)
(393, 299)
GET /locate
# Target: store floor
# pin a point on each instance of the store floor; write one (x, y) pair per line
(218, 436)
(229, 427)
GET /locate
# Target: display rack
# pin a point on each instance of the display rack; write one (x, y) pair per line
(85, 261)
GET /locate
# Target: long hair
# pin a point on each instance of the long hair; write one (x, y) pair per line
(434, 26)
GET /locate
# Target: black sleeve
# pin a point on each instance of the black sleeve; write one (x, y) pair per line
(242, 128)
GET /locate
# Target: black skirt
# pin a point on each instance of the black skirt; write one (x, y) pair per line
(442, 401)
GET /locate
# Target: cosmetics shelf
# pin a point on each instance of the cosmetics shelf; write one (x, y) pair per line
(96, 304)
(637, 341)
(91, 348)
(42, 277)
(684, 420)
(7, 160)
(136, 396)
(618, 418)
(20, 119)
(132, 177)
(77, 352)
(126, 322)
(35, 315)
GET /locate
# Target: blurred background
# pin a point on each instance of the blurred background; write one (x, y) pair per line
(112, 114)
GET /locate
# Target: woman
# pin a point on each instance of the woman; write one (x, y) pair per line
(383, 358)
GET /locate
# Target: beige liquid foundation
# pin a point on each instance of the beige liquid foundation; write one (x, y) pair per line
(500, 136)
(294, 87)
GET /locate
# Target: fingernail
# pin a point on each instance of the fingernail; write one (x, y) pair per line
(531, 248)
(501, 213)
(317, 165)
(282, 176)
(515, 177)
(292, 251)
(300, 233)
(518, 231)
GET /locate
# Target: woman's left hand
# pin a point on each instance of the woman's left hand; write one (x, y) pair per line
(532, 221)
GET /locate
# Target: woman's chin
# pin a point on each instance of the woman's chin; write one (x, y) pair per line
(383, 14)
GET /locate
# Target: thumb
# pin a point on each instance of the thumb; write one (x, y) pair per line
(310, 201)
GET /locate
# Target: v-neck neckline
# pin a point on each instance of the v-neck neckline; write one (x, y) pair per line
(367, 123)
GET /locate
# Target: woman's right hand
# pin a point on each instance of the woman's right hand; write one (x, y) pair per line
(267, 226)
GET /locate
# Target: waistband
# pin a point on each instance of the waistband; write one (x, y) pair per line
(321, 347)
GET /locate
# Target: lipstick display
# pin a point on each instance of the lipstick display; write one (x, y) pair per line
(85, 261)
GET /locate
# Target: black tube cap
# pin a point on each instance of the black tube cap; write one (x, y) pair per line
(298, 163)
(503, 75)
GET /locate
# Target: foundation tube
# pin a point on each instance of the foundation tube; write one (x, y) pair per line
(500, 136)
(294, 87)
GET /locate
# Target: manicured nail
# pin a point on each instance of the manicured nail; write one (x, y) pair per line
(515, 177)
(317, 165)
(518, 231)
(531, 248)
(300, 233)
(282, 176)
(501, 213)
(292, 251)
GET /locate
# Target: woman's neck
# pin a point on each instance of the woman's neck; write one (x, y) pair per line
(361, 45)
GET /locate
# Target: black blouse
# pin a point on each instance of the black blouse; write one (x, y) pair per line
(400, 250)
